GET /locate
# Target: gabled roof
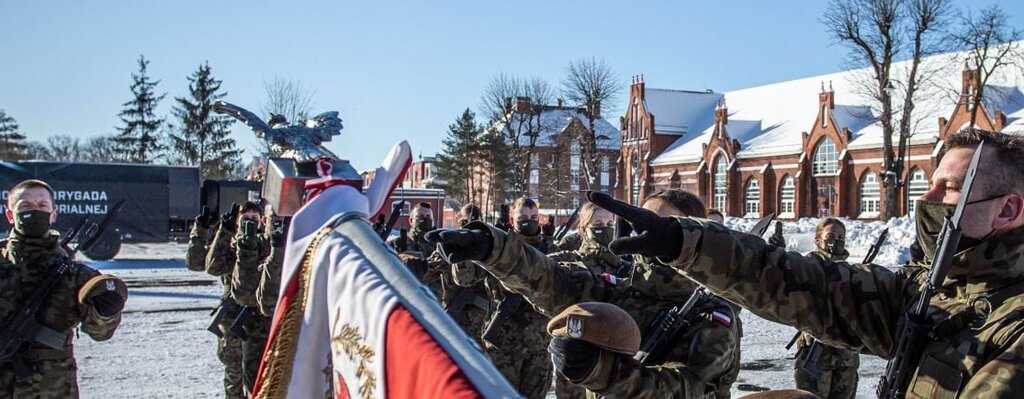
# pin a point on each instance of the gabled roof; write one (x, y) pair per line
(787, 109)
(555, 120)
(680, 111)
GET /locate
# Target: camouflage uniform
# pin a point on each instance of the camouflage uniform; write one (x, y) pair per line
(465, 298)
(195, 255)
(569, 242)
(860, 306)
(704, 358)
(416, 257)
(600, 261)
(52, 373)
(270, 281)
(248, 271)
(521, 354)
(838, 366)
(220, 261)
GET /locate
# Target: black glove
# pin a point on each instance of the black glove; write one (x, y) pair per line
(229, 221)
(461, 244)
(247, 237)
(107, 303)
(656, 236)
(622, 228)
(206, 218)
(574, 359)
(548, 229)
(280, 234)
(777, 239)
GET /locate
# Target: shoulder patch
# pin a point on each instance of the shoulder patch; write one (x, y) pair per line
(722, 318)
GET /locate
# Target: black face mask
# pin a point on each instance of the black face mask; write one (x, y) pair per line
(601, 235)
(835, 246)
(32, 224)
(528, 227)
(424, 224)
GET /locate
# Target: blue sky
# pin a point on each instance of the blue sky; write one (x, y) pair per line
(394, 70)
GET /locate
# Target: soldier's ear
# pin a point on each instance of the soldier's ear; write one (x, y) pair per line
(1011, 213)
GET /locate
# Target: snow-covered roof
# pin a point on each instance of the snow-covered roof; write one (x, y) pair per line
(554, 120)
(787, 109)
(680, 111)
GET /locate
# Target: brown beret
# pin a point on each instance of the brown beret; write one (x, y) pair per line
(100, 284)
(783, 394)
(602, 324)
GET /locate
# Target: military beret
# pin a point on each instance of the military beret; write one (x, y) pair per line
(101, 283)
(783, 394)
(602, 324)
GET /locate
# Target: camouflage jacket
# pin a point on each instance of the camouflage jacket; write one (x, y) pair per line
(195, 255)
(703, 359)
(23, 265)
(829, 357)
(595, 257)
(416, 244)
(221, 258)
(270, 281)
(860, 306)
(245, 276)
(569, 242)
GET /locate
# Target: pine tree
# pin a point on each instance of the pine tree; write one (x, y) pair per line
(202, 137)
(139, 139)
(12, 142)
(455, 163)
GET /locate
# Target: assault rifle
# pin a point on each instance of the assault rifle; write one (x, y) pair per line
(507, 308)
(396, 212)
(227, 306)
(913, 337)
(504, 219)
(562, 231)
(402, 244)
(21, 327)
(677, 318)
(467, 296)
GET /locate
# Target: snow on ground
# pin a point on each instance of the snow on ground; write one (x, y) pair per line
(163, 349)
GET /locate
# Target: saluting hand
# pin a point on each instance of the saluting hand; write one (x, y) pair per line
(656, 235)
(457, 245)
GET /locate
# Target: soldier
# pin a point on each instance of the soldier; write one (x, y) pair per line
(259, 247)
(702, 358)
(82, 298)
(974, 349)
(597, 231)
(221, 261)
(570, 241)
(468, 304)
(415, 251)
(270, 269)
(519, 347)
(199, 241)
(838, 366)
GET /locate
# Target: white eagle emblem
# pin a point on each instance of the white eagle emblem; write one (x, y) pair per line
(575, 327)
(111, 286)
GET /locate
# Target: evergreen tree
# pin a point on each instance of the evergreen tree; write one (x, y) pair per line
(12, 142)
(138, 141)
(455, 163)
(202, 137)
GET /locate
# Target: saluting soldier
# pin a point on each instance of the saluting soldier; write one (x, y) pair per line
(974, 348)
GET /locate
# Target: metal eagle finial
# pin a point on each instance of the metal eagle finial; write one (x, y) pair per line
(303, 142)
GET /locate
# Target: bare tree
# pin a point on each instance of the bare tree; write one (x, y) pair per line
(590, 83)
(991, 44)
(514, 107)
(878, 32)
(288, 98)
(64, 148)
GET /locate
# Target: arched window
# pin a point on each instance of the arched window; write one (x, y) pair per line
(787, 197)
(635, 164)
(916, 187)
(753, 199)
(826, 159)
(870, 196)
(720, 185)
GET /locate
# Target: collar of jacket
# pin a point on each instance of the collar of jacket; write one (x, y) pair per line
(993, 264)
(836, 258)
(21, 248)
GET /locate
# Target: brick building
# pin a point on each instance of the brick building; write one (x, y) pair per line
(804, 148)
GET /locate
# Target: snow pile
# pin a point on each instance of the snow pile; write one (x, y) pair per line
(859, 237)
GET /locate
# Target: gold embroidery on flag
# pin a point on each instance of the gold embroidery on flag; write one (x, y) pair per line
(351, 342)
(279, 359)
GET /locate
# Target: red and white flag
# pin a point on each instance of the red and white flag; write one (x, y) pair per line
(352, 321)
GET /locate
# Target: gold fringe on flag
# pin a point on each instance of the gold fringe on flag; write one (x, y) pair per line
(280, 357)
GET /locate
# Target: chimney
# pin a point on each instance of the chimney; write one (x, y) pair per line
(508, 104)
(969, 85)
(560, 103)
(827, 98)
(721, 114)
(522, 104)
